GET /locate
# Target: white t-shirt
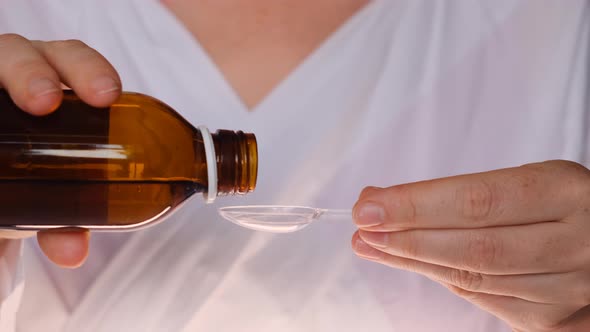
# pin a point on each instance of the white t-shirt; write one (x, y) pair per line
(405, 90)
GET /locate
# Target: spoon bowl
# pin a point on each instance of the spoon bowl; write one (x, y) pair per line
(275, 218)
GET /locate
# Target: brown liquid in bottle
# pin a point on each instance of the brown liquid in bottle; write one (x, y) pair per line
(122, 166)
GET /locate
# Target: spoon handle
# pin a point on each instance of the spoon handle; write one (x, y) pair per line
(337, 213)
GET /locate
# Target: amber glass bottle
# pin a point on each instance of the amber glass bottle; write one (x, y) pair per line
(121, 167)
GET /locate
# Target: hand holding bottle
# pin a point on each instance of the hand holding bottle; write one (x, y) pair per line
(33, 73)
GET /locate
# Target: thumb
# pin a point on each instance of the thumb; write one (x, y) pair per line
(66, 247)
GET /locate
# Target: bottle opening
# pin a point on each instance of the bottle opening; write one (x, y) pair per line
(237, 162)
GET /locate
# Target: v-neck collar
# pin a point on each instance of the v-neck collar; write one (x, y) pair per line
(217, 82)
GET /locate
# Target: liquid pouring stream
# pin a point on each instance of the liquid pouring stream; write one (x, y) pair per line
(278, 218)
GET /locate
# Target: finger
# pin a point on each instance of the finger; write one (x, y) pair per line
(539, 288)
(544, 288)
(527, 194)
(65, 247)
(519, 314)
(536, 248)
(31, 82)
(83, 69)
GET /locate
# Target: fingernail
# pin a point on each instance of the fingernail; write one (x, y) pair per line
(369, 214)
(366, 251)
(42, 86)
(375, 239)
(104, 85)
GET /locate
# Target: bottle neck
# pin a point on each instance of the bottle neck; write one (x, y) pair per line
(236, 156)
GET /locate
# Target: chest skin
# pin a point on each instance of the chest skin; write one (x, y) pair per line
(256, 44)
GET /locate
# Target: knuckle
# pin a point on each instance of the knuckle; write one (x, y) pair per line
(466, 294)
(67, 44)
(27, 67)
(478, 201)
(481, 253)
(403, 204)
(75, 50)
(408, 243)
(9, 38)
(574, 178)
(566, 165)
(467, 280)
(576, 173)
(573, 175)
(577, 181)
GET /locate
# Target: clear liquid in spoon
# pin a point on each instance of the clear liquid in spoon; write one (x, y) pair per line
(276, 218)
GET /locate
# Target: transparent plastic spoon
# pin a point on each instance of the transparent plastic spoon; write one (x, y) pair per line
(278, 218)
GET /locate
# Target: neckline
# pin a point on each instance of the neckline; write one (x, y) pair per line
(217, 82)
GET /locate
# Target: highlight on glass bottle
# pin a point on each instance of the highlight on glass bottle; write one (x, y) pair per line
(115, 168)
